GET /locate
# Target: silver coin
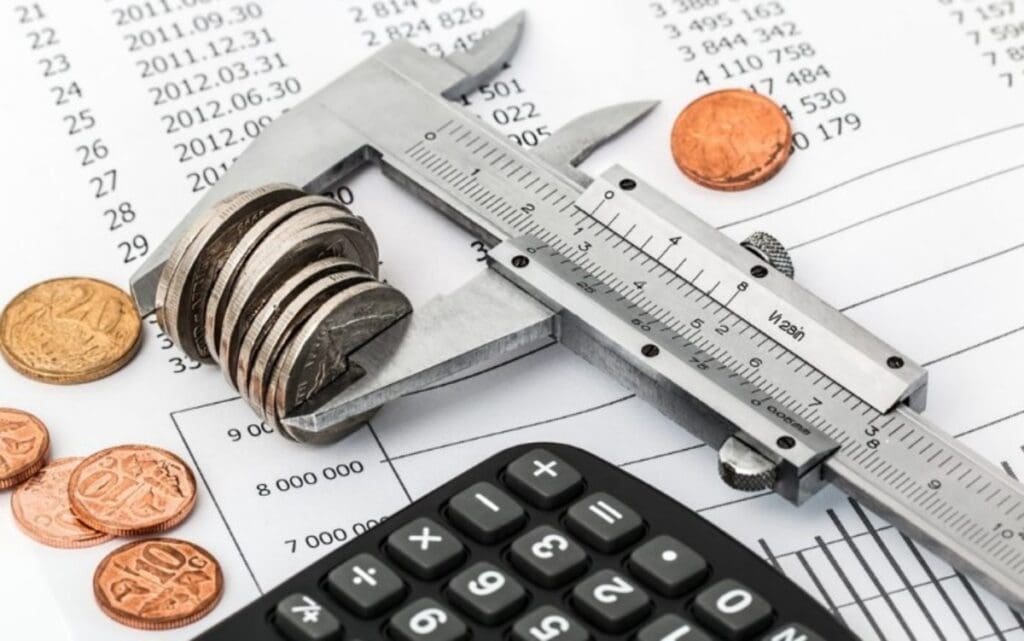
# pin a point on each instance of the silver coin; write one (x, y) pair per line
(317, 354)
(239, 360)
(275, 241)
(359, 223)
(363, 240)
(289, 319)
(306, 236)
(179, 248)
(197, 260)
(247, 244)
(366, 242)
(369, 251)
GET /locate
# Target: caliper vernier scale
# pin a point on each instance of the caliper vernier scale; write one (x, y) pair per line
(790, 392)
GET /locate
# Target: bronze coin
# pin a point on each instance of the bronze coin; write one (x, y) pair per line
(731, 140)
(24, 444)
(42, 511)
(69, 330)
(132, 489)
(158, 584)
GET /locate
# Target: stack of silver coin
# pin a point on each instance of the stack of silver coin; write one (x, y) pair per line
(278, 287)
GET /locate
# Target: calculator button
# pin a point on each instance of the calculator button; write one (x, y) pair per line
(365, 586)
(671, 627)
(425, 548)
(543, 479)
(604, 522)
(610, 601)
(548, 557)
(667, 566)
(486, 513)
(486, 593)
(427, 620)
(302, 618)
(548, 623)
(732, 610)
(792, 632)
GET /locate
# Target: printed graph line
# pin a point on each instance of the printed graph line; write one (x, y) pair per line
(391, 464)
(513, 429)
(849, 586)
(981, 606)
(987, 341)
(829, 603)
(872, 172)
(768, 554)
(935, 276)
(213, 497)
(660, 455)
(863, 603)
(909, 205)
(859, 555)
(896, 567)
(998, 634)
(1001, 419)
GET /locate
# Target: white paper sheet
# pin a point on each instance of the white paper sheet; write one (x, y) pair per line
(905, 210)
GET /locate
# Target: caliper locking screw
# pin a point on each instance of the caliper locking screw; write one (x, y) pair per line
(743, 468)
(770, 250)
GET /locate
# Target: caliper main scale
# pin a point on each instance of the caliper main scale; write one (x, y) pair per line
(789, 391)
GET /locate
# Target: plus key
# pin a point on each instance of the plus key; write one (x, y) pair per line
(543, 479)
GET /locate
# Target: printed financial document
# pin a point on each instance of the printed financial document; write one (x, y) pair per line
(901, 206)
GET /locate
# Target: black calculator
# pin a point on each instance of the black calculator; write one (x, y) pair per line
(542, 542)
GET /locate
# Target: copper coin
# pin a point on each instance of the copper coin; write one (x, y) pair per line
(158, 584)
(42, 511)
(24, 444)
(132, 489)
(69, 330)
(731, 140)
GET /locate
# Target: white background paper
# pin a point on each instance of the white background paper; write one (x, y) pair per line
(912, 223)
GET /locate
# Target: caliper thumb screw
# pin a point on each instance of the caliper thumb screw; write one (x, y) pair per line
(770, 250)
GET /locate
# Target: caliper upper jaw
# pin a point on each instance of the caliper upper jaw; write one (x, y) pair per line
(487, 57)
(572, 143)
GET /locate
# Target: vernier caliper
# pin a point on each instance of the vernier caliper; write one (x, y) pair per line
(714, 334)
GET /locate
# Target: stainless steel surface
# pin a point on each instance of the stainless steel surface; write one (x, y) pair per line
(315, 233)
(770, 250)
(743, 468)
(963, 508)
(241, 356)
(224, 286)
(184, 288)
(570, 145)
(639, 287)
(287, 322)
(318, 352)
(721, 270)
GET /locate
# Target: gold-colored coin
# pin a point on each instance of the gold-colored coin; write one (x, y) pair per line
(69, 330)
